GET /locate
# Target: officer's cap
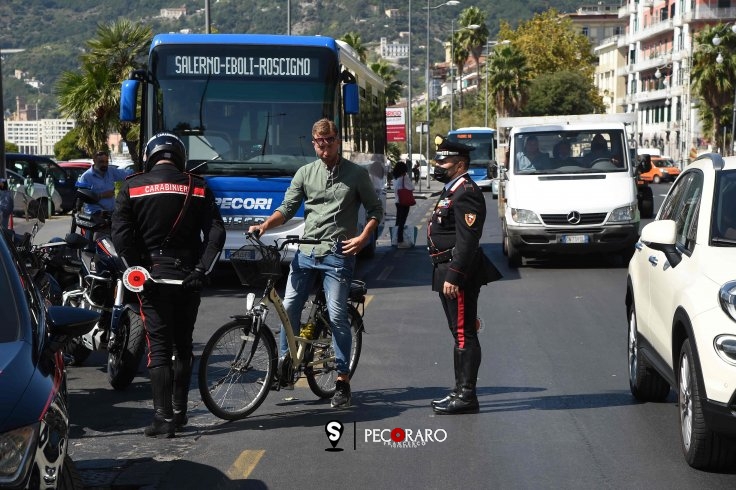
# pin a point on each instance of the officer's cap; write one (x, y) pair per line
(447, 148)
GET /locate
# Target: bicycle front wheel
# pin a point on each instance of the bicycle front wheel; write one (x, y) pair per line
(236, 369)
(322, 375)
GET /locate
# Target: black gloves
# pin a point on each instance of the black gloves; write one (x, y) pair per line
(195, 280)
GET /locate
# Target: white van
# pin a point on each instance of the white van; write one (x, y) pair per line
(416, 157)
(568, 187)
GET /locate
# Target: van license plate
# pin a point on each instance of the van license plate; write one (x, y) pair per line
(574, 239)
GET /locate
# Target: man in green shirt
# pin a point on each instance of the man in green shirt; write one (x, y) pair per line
(332, 190)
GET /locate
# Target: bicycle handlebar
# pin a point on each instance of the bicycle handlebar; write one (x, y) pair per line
(280, 243)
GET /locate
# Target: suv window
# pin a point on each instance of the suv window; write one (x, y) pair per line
(682, 205)
(724, 206)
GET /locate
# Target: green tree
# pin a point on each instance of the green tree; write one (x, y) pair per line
(67, 148)
(353, 40)
(92, 94)
(508, 80)
(550, 44)
(394, 87)
(473, 40)
(563, 92)
(713, 83)
(11, 147)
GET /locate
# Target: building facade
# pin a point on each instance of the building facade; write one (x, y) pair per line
(37, 137)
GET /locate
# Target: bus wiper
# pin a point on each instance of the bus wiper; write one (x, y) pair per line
(723, 241)
(268, 125)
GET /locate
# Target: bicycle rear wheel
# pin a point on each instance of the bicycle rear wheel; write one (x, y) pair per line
(322, 376)
(236, 369)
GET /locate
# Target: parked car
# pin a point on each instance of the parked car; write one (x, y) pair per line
(39, 198)
(75, 169)
(681, 304)
(34, 405)
(664, 169)
(38, 168)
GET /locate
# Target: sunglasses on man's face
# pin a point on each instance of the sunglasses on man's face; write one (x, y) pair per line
(324, 141)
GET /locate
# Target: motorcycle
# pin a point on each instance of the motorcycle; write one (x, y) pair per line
(100, 288)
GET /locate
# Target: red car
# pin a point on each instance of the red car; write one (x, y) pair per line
(76, 168)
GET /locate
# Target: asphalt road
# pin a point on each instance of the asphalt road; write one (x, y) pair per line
(556, 411)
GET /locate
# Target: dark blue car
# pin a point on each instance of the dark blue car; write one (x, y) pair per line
(34, 417)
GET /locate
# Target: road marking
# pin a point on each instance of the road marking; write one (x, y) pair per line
(385, 273)
(245, 464)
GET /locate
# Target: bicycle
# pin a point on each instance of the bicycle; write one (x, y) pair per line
(239, 364)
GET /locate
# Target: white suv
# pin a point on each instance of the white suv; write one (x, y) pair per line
(681, 304)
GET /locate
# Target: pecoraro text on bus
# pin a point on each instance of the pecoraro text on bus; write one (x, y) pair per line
(259, 66)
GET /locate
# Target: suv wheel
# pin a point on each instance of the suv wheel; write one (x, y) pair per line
(703, 448)
(645, 383)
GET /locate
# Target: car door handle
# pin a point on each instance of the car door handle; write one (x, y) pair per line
(653, 260)
(638, 246)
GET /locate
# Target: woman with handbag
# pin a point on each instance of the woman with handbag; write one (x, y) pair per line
(403, 189)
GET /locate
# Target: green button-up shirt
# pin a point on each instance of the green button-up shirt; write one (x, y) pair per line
(331, 202)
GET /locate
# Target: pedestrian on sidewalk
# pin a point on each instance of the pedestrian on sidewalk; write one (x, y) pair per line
(6, 203)
(401, 181)
(417, 172)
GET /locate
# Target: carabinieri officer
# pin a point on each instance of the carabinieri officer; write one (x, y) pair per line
(460, 267)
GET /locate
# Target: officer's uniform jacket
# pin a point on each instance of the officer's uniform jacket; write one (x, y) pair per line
(146, 210)
(453, 237)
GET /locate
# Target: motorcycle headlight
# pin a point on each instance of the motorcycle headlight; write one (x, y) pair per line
(524, 216)
(623, 214)
(15, 453)
(727, 299)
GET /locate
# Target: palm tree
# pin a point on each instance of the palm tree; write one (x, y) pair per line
(394, 87)
(353, 40)
(91, 95)
(508, 79)
(473, 40)
(714, 83)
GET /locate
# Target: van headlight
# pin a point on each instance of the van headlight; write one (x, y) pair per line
(727, 299)
(524, 216)
(623, 214)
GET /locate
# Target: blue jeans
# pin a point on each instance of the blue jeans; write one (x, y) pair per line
(337, 273)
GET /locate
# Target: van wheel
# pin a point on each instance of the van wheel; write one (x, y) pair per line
(513, 253)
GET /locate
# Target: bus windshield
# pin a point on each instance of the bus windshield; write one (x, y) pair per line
(243, 110)
(481, 139)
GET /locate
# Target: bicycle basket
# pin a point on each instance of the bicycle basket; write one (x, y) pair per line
(255, 264)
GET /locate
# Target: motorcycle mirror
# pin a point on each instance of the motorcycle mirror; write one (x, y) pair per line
(88, 196)
(250, 299)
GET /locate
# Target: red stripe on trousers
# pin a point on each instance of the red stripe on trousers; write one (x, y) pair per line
(461, 319)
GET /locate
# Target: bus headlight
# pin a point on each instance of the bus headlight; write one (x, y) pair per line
(524, 216)
(622, 214)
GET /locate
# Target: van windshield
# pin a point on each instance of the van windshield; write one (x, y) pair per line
(570, 152)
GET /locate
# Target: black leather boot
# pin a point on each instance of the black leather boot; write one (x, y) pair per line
(456, 389)
(162, 426)
(465, 401)
(182, 378)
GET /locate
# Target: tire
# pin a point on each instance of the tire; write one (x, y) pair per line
(513, 254)
(703, 449)
(122, 364)
(656, 179)
(321, 377)
(645, 383)
(70, 478)
(233, 378)
(646, 203)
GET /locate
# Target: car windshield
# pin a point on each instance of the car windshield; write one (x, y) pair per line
(570, 152)
(664, 163)
(10, 327)
(724, 209)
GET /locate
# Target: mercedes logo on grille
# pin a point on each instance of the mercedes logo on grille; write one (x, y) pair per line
(573, 217)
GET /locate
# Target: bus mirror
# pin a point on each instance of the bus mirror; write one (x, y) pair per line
(128, 99)
(349, 98)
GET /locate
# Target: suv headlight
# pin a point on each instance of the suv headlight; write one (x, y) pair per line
(524, 216)
(624, 213)
(727, 299)
(15, 452)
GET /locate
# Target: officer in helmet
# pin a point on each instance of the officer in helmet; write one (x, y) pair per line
(166, 220)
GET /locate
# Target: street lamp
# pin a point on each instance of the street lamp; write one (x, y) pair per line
(449, 3)
(716, 42)
(488, 56)
(470, 27)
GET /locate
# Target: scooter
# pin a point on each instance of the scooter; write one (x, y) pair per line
(100, 288)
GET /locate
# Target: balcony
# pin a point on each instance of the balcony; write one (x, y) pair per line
(651, 31)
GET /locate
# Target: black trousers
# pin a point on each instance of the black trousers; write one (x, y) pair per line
(402, 212)
(169, 313)
(461, 313)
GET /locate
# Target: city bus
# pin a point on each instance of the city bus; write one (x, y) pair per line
(244, 106)
(483, 169)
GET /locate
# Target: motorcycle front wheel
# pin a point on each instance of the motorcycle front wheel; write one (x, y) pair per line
(125, 356)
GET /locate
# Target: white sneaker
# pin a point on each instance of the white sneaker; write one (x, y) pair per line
(403, 245)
